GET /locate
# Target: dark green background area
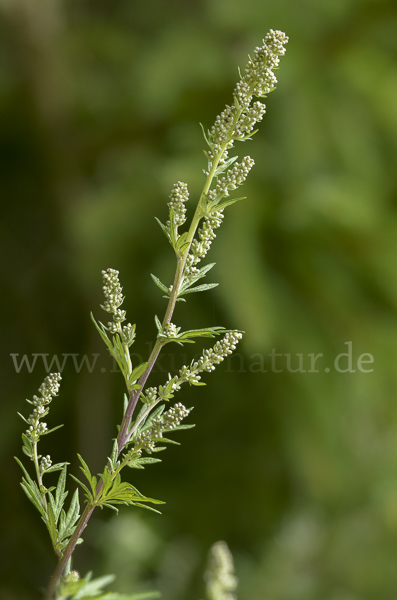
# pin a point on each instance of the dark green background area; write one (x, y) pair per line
(100, 103)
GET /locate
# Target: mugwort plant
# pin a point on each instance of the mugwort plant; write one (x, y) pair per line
(148, 418)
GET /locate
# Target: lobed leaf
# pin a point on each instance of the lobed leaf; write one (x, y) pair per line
(92, 480)
(32, 491)
(68, 520)
(60, 495)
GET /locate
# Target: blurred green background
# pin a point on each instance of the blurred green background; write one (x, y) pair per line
(100, 103)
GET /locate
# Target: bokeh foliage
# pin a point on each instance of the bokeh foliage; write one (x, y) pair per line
(100, 103)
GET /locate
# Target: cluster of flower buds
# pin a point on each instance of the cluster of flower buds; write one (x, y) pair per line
(234, 176)
(236, 122)
(259, 78)
(112, 290)
(174, 415)
(179, 195)
(211, 357)
(221, 581)
(171, 330)
(128, 334)
(150, 396)
(48, 389)
(167, 421)
(206, 233)
(45, 463)
(248, 119)
(113, 300)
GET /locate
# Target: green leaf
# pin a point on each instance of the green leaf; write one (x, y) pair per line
(173, 229)
(204, 270)
(226, 203)
(189, 281)
(91, 480)
(120, 355)
(147, 507)
(27, 447)
(153, 415)
(165, 393)
(165, 230)
(107, 481)
(166, 441)
(207, 138)
(180, 427)
(23, 419)
(32, 491)
(209, 332)
(137, 463)
(199, 288)
(88, 494)
(137, 372)
(160, 285)
(51, 430)
(158, 324)
(93, 589)
(225, 166)
(182, 244)
(106, 505)
(60, 495)
(121, 493)
(250, 135)
(51, 523)
(147, 460)
(67, 521)
(114, 455)
(115, 347)
(56, 467)
(102, 332)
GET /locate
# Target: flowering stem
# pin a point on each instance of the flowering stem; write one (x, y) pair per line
(124, 434)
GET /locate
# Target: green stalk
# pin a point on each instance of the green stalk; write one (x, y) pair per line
(38, 474)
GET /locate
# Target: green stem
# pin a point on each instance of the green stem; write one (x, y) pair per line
(38, 474)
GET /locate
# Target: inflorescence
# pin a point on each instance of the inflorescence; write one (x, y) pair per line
(113, 300)
(220, 577)
(179, 195)
(208, 360)
(236, 123)
(167, 421)
(48, 390)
